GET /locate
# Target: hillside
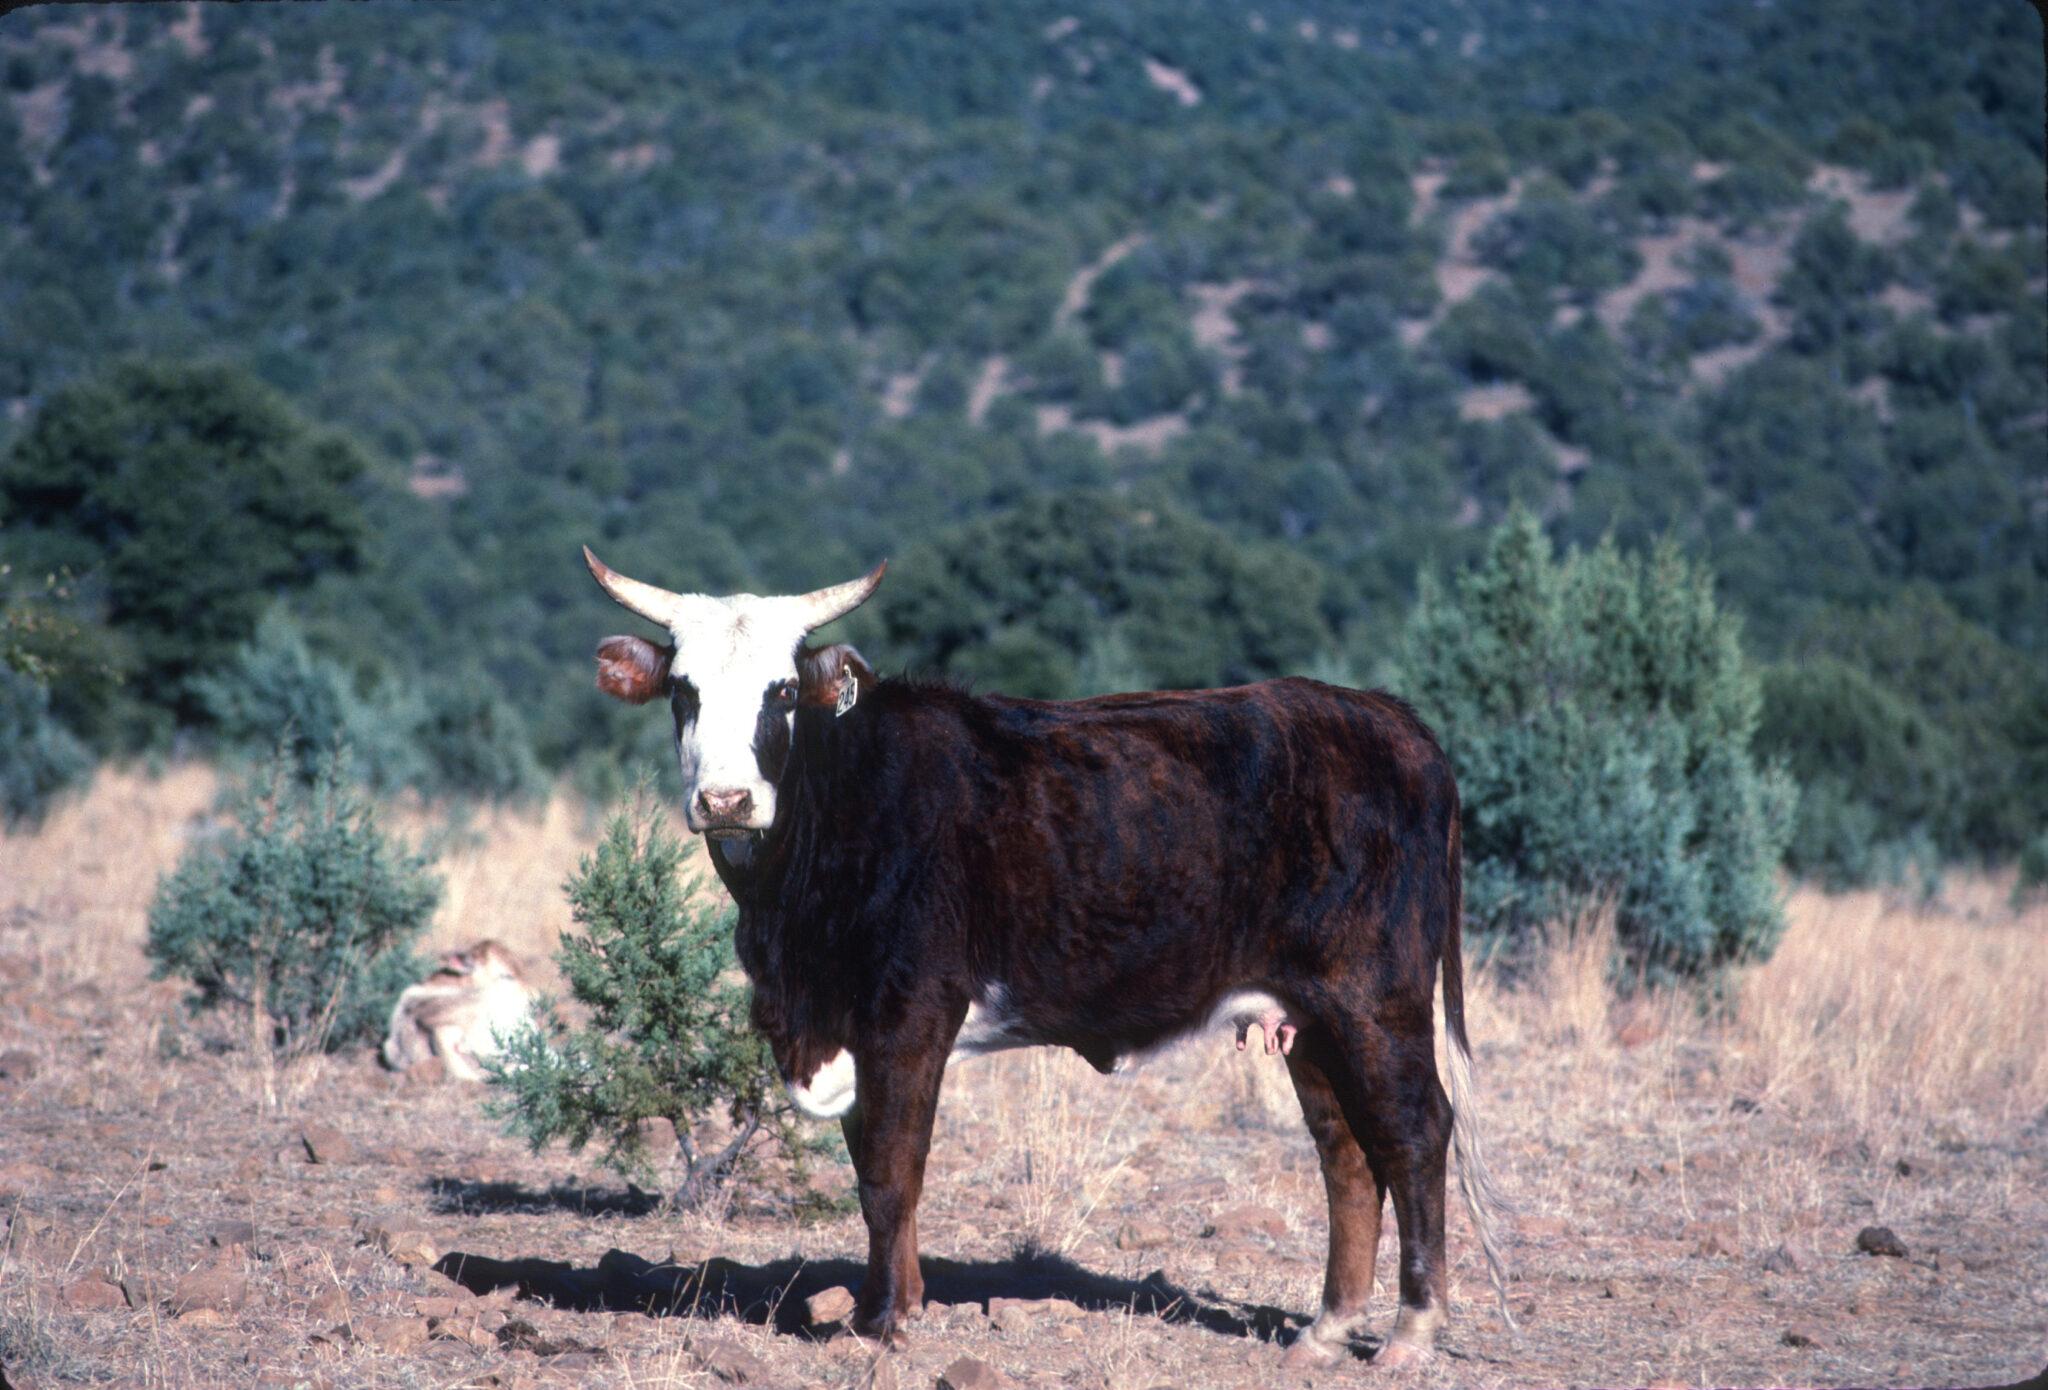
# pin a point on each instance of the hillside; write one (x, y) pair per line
(751, 298)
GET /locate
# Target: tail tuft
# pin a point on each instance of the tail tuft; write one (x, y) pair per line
(1482, 1200)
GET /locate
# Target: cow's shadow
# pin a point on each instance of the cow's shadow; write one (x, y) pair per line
(773, 1294)
(471, 1197)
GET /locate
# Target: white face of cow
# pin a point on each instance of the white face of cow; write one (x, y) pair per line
(732, 680)
(733, 690)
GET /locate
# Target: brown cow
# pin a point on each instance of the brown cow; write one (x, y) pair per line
(923, 873)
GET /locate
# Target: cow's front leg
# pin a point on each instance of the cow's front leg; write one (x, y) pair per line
(889, 1135)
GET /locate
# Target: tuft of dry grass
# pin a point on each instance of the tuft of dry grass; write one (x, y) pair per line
(1057, 1151)
(1885, 1013)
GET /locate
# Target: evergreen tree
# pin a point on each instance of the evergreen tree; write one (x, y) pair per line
(1599, 711)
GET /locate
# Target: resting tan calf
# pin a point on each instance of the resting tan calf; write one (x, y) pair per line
(459, 1012)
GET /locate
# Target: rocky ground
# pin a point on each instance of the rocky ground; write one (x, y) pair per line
(1699, 1190)
(1159, 1229)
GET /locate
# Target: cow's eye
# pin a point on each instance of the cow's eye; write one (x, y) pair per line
(782, 695)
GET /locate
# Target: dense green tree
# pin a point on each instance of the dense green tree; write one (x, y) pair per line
(1599, 712)
(186, 499)
(1012, 600)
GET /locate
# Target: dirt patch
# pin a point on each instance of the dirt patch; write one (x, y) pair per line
(1660, 272)
(39, 112)
(320, 94)
(635, 159)
(370, 185)
(1215, 328)
(1146, 436)
(1074, 299)
(899, 394)
(1905, 301)
(989, 383)
(431, 477)
(189, 31)
(1494, 401)
(1173, 81)
(1878, 216)
(541, 156)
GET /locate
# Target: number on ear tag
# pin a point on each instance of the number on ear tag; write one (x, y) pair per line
(849, 691)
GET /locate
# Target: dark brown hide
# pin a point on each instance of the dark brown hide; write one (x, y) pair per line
(1110, 870)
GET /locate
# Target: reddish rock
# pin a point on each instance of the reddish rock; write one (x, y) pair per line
(971, 1373)
(1016, 1314)
(406, 1245)
(329, 1305)
(221, 1290)
(833, 1305)
(1239, 1222)
(1880, 1240)
(326, 1144)
(93, 1293)
(730, 1362)
(18, 1064)
(231, 1231)
(391, 1334)
(1142, 1235)
(25, 1179)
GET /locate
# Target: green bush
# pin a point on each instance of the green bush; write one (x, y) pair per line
(274, 691)
(667, 1033)
(454, 736)
(301, 917)
(472, 742)
(1598, 711)
(39, 757)
(2033, 875)
(1880, 781)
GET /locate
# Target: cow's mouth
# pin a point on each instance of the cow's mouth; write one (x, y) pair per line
(726, 832)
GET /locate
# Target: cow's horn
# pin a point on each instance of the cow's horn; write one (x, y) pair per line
(655, 605)
(821, 606)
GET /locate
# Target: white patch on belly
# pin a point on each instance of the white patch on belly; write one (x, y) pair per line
(990, 1025)
(830, 1093)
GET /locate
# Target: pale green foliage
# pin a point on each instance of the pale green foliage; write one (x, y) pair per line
(38, 756)
(1598, 711)
(666, 1031)
(302, 915)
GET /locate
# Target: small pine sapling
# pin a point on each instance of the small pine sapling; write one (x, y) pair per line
(666, 1034)
(301, 917)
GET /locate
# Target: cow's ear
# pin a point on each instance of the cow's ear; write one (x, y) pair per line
(823, 674)
(632, 669)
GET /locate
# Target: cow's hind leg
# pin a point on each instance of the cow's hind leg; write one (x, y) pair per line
(1386, 1084)
(1356, 1197)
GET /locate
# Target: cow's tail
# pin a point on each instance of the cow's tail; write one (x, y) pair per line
(1482, 1200)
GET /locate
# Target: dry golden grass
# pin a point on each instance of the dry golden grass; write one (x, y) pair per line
(1886, 1014)
(95, 860)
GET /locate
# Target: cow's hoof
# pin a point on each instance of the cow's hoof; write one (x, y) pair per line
(1305, 1353)
(1403, 1356)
